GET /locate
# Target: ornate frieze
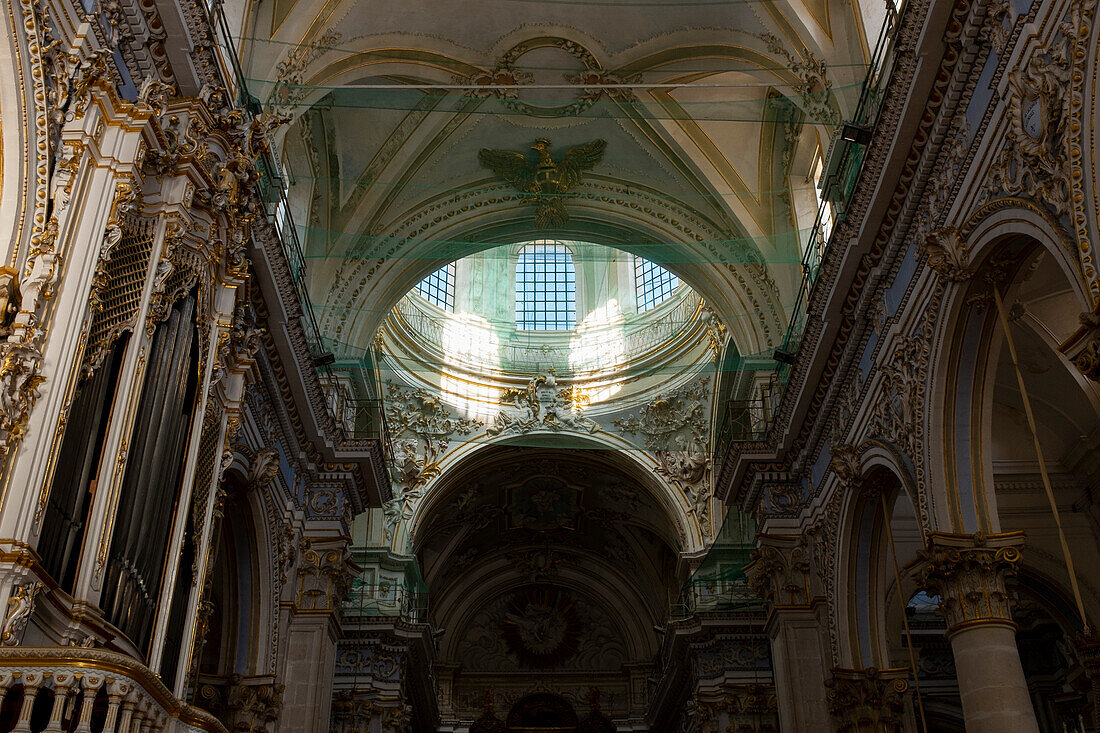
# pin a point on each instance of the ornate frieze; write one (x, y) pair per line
(867, 699)
(968, 573)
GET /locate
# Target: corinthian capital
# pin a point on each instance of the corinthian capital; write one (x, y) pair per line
(780, 572)
(867, 699)
(325, 573)
(968, 573)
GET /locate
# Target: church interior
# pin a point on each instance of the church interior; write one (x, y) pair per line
(517, 366)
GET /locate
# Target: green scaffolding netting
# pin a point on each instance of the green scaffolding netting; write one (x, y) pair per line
(719, 583)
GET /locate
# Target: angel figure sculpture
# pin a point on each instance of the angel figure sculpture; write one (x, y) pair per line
(545, 182)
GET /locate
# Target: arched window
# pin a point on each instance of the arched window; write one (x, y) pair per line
(653, 284)
(546, 287)
(439, 288)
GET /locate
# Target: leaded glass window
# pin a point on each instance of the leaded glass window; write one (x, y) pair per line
(546, 288)
(439, 288)
(653, 283)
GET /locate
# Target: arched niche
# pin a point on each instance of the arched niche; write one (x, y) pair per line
(513, 536)
(677, 526)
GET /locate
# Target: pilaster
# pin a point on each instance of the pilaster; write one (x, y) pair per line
(325, 572)
(781, 574)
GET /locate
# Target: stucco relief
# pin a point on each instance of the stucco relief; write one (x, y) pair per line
(676, 430)
(543, 628)
(542, 406)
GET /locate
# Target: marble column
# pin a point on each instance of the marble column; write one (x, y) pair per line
(968, 573)
(781, 575)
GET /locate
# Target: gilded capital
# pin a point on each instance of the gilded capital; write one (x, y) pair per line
(325, 574)
(867, 699)
(780, 572)
(968, 573)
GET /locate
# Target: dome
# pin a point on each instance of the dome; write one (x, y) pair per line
(598, 316)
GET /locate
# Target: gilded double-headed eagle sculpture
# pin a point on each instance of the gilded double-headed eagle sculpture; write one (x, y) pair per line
(545, 182)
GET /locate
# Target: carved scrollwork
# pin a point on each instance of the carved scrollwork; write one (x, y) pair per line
(947, 254)
(542, 406)
(845, 464)
(10, 299)
(676, 427)
(1033, 162)
(814, 86)
(21, 352)
(324, 577)
(126, 201)
(968, 572)
(20, 608)
(1087, 359)
(780, 573)
(859, 698)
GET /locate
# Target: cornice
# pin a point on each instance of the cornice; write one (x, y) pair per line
(838, 357)
(365, 460)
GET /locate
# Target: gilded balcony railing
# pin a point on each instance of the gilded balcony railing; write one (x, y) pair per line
(58, 689)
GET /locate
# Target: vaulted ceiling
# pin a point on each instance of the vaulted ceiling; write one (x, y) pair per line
(712, 111)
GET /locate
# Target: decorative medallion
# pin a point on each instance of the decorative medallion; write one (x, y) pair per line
(541, 627)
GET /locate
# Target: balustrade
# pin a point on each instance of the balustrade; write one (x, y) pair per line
(82, 690)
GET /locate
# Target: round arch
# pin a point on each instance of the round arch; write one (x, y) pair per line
(884, 490)
(473, 456)
(999, 239)
(736, 285)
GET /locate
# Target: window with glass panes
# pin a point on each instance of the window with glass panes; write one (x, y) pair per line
(546, 288)
(653, 283)
(439, 288)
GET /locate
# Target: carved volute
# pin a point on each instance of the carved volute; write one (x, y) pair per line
(968, 573)
(780, 573)
(867, 699)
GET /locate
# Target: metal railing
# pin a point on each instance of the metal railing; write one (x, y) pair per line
(387, 599)
(744, 421)
(360, 419)
(273, 191)
(844, 167)
(712, 596)
(750, 420)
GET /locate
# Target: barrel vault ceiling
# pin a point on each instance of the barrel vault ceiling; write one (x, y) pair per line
(706, 159)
